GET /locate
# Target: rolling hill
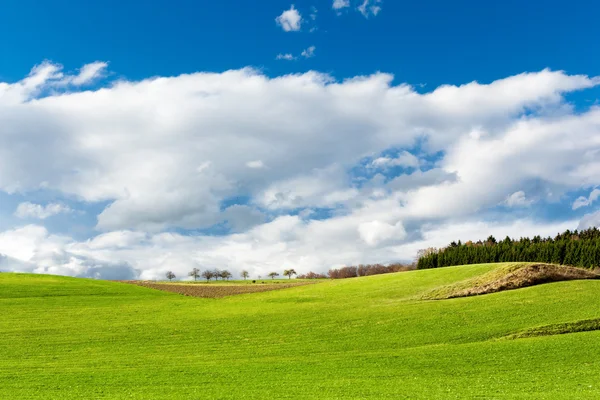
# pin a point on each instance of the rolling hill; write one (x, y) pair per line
(374, 337)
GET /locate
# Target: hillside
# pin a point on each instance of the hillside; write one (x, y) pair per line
(372, 337)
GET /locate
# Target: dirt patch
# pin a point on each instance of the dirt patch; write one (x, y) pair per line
(512, 277)
(214, 291)
(586, 325)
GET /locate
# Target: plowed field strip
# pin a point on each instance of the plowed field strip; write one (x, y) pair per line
(214, 291)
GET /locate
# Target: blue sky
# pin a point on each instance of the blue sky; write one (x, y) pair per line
(150, 136)
(434, 42)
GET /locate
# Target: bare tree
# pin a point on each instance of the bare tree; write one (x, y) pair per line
(216, 273)
(425, 252)
(245, 274)
(273, 274)
(170, 275)
(225, 274)
(195, 273)
(208, 275)
(289, 273)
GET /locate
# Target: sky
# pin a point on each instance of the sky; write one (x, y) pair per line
(138, 138)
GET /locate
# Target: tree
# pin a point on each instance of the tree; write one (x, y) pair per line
(273, 274)
(245, 274)
(431, 250)
(289, 273)
(195, 273)
(208, 275)
(225, 274)
(216, 273)
(580, 249)
(170, 275)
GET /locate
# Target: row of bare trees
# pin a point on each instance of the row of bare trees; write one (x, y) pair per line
(338, 273)
(210, 274)
(225, 275)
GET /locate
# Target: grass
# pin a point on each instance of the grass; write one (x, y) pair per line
(509, 276)
(372, 337)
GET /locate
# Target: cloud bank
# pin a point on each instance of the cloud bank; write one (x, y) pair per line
(241, 170)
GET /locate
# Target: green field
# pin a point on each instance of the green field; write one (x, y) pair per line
(372, 337)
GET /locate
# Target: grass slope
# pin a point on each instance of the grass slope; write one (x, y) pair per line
(65, 338)
(510, 276)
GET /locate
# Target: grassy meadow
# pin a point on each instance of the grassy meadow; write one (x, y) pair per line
(363, 338)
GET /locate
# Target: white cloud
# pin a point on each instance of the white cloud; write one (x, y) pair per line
(287, 57)
(321, 188)
(31, 210)
(309, 52)
(586, 201)
(290, 20)
(370, 8)
(590, 221)
(89, 73)
(375, 232)
(48, 76)
(256, 164)
(518, 199)
(179, 140)
(404, 159)
(306, 53)
(340, 4)
(168, 152)
(33, 249)
(305, 246)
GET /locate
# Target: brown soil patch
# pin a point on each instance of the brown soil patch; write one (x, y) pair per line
(214, 291)
(514, 278)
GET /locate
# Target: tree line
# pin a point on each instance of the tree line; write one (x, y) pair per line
(224, 274)
(574, 248)
(368, 269)
(336, 273)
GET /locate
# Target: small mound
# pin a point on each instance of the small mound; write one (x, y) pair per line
(585, 325)
(214, 291)
(509, 277)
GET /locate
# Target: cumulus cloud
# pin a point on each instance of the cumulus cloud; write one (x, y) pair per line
(306, 53)
(404, 159)
(340, 4)
(48, 77)
(370, 8)
(166, 154)
(309, 52)
(89, 73)
(375, 232)
(31, 210)
(586, 201)
(590, 221)
(256, 164)
(518, 199)
(285, 241)
(290, 20)
(287, 57)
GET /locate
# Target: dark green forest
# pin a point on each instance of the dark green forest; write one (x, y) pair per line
(579, 249)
